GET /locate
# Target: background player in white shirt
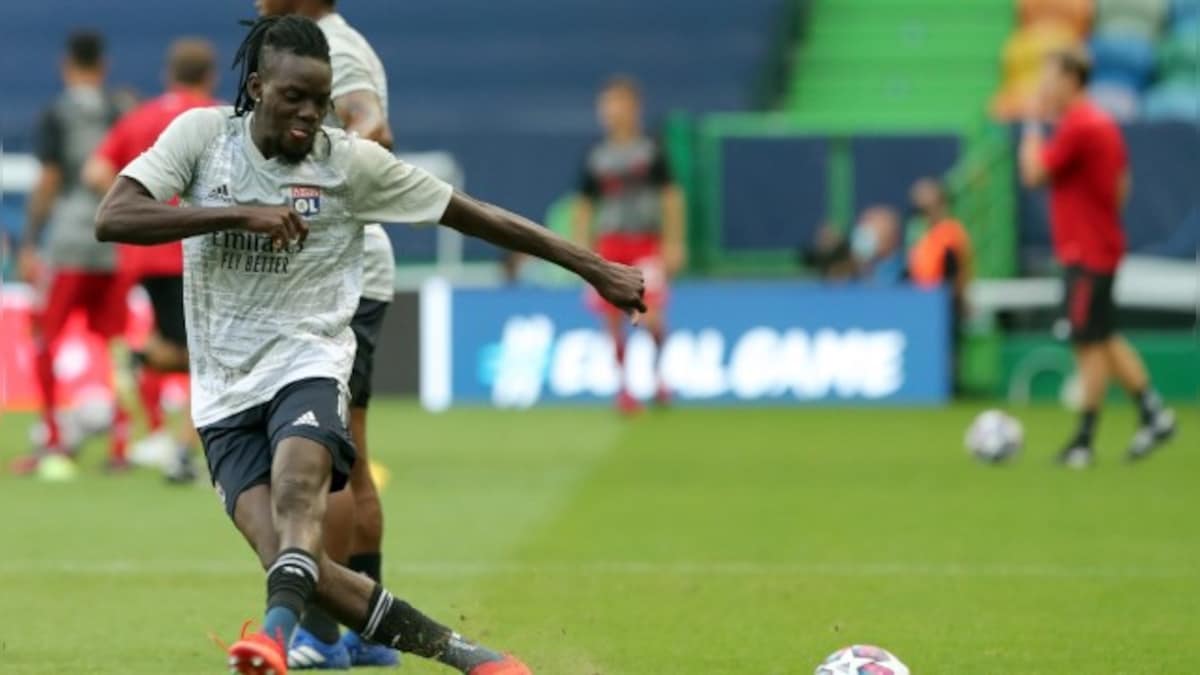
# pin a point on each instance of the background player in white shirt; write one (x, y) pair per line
(273, 271)
(354, 518)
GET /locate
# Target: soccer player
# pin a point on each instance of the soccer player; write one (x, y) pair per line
(354, 518)
(273, 257)
(1086, 167)
(191, 78)
(79, 271)
(632, 212)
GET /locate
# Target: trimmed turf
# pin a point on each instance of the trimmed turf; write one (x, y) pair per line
(692, 541)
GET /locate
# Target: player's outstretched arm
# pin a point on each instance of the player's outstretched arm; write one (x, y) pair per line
(621, 285)
(129, 214)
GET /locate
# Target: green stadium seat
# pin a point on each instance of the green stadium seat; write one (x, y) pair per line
(922, 64)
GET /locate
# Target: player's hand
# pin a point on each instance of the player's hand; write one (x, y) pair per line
(29, 265)
(674, 259)
(281, 223)
(623, 286)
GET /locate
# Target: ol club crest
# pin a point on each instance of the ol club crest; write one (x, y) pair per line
(306, 200)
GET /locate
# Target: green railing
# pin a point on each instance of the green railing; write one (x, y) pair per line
(983, 188)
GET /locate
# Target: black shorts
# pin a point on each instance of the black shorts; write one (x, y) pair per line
(239, 448)
(166, 297)
(366, 324)
(1088, 305)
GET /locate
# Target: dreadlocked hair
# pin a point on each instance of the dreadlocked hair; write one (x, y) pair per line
(290, 33)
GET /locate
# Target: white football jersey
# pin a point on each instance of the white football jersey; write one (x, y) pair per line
(260, 319)
(356, 67)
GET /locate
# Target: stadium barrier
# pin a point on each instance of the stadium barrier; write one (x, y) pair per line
(732, 343)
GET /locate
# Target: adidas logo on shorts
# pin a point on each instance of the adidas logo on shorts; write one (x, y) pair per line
(308, 419)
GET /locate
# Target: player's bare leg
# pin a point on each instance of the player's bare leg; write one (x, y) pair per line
(46, 332)
(318, 645)
(281, 522)
(124, 391)
(614, 325)
(368, 512)
(301, 471)
(1156, 423)
(655, 324)
(44, 364)
(1092, 362)
(366, 556)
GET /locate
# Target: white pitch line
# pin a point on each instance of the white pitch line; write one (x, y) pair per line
(628, 568)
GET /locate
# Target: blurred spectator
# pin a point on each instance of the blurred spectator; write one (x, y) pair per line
(870, 252)
(829, 254)
(875, 246)
(942, 256)
(74, 271)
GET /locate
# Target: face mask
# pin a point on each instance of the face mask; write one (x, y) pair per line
(864, 244)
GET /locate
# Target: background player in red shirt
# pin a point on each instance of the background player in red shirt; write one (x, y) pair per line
(632, 212)
(191, 79)
(1086, 166)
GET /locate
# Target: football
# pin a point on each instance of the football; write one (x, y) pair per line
(862, 660)
(994, 436)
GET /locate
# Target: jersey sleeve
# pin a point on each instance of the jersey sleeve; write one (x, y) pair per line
(385, 189)
(1063, 147)
(660, 170)
(48, 141)
(350, 74)
(167, 168)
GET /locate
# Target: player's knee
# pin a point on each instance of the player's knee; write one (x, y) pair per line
(298, 496)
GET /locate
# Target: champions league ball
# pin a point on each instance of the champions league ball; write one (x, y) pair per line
(994, 436)
(862, 660)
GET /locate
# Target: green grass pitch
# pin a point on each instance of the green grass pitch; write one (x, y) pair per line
(690, 541)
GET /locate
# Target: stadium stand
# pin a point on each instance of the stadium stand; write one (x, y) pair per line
(494, 83)
(1146, 55)
(927, 63)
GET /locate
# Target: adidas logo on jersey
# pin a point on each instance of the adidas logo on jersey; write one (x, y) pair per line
(308, 419)
(220, 192)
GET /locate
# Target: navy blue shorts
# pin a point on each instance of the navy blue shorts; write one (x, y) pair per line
(366, 324)
(240, 448)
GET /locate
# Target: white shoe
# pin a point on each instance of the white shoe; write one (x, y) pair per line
(158, 451)
(1150, 436)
